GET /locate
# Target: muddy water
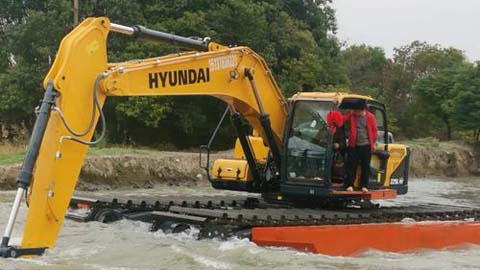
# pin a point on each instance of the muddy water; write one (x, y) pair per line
(129, 245)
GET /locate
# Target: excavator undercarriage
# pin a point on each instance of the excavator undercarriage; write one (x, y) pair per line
(253, 218)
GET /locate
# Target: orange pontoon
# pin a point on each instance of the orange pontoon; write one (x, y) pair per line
(347, 240)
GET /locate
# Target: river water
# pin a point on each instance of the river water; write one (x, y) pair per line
(129, 245)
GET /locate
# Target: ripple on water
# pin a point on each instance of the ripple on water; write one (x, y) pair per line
(130, 245)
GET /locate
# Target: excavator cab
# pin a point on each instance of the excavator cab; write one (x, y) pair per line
(314, 159)
(314, 156)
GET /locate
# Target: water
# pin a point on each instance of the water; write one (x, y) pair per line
(129, 245)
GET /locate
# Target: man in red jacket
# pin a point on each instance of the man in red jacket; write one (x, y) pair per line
(361, 144)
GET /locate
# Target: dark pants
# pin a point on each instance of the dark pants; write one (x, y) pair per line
(358, 154)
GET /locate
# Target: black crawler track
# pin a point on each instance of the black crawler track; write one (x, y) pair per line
(227, 217)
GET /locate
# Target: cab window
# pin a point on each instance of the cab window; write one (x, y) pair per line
(308, 141)
(380, 119)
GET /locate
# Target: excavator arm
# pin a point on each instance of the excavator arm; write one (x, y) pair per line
(79, 82)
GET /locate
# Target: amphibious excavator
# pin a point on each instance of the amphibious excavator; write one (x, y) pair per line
(284, 153)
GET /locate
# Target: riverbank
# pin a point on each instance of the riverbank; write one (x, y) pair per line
(118, 168)
(443, 159)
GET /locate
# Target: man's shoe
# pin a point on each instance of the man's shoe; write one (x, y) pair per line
(364, 189)
(350, 188)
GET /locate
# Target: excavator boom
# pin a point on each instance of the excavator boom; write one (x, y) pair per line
(79, 82)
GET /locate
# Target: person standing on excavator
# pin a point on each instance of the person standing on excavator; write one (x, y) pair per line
(361, 143)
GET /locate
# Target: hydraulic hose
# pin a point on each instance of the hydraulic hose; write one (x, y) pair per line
(96, 105)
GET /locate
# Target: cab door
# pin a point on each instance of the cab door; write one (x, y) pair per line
(390, 161)
(307, 151)
(380, 158)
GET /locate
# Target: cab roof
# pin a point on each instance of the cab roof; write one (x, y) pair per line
(337, 97)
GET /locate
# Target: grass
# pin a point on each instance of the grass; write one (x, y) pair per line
(422, 142)
(9, 159)
(435, 143)
(117, 150)
(14, 154)
(11, 154)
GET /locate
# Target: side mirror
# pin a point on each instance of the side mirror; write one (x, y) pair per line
(381, 137)
(390, 137)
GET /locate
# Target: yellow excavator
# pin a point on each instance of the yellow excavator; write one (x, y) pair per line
(283, 151)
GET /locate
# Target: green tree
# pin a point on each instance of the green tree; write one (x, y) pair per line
(295, 37)
(365, 67)
(292, 36)
(467, 101)
(410, 64)
(435, 97)
(26, 55)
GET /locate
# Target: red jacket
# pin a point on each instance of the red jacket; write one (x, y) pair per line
(336, 118)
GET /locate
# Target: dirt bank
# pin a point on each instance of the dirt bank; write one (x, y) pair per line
(140, 170)
(149, 168)
(444, 159)
(143, 171)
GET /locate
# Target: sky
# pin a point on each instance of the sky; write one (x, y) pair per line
(394, 23)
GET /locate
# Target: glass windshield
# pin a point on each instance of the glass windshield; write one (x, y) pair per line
(308, 141)
(379, 118)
